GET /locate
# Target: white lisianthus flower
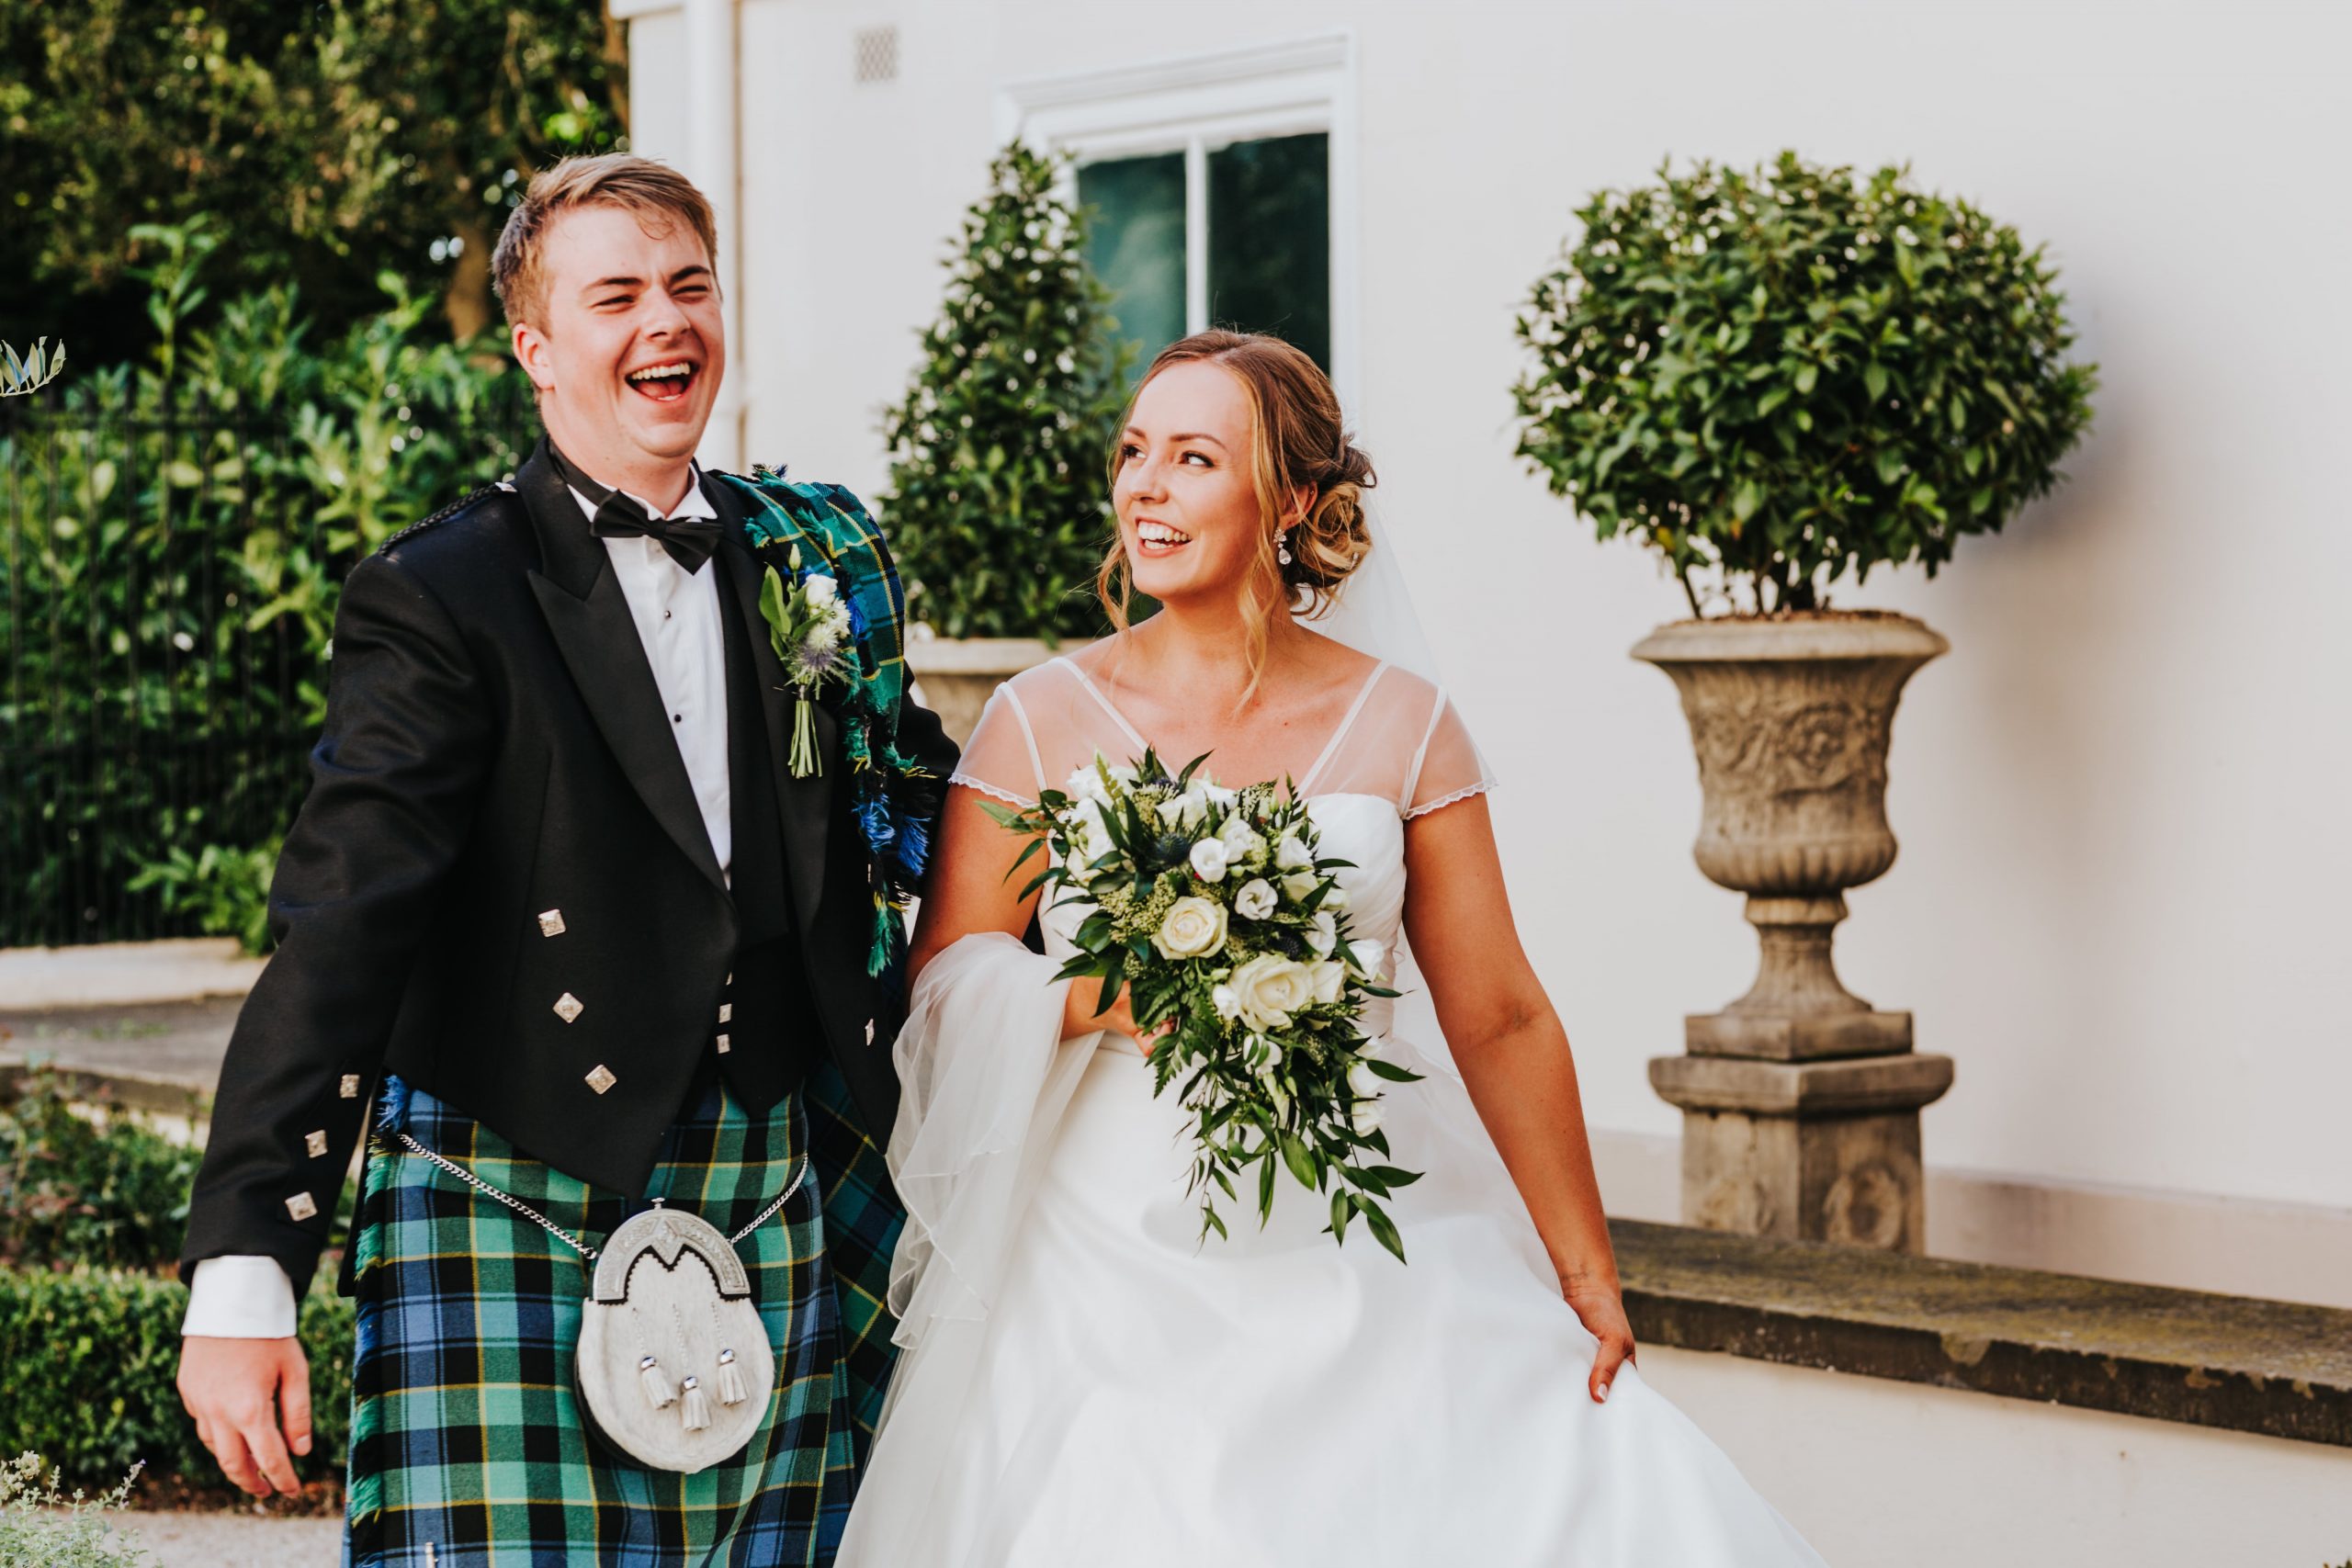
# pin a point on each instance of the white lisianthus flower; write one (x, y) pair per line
(821, 589)
(1328, 976)
(1364, 1085)
(1338, 898)
(1243, 844)
(1227, 1001)
(1292, 855)
(1080, 871)
(1209, 860)
(1195, 928)
(1121, 774)
(1256, 900)
(1086, 783)
(1094, 833)
(1269, 989)
(1323, 931)
(1370, 957)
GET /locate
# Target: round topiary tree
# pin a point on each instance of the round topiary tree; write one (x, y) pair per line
(997, 500)
(1788, 373)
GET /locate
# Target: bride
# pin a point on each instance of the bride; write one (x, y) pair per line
(1085, 1382)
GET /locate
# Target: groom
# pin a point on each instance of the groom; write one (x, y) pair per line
(561, 908)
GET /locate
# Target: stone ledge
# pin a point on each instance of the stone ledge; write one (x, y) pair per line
(2277, 1369)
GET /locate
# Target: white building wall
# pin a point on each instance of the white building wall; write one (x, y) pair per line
(2121, 901)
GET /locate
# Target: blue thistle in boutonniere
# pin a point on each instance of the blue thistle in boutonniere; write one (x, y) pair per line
(810, 623)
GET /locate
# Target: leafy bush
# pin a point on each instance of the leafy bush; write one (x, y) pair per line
(225, 891)
(88, 1359)
(997, 504)
(1786, 373)
(81, 1187)
(41, 1526)
(172, 536)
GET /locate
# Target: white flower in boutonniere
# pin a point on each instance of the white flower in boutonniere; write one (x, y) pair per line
(809, 626)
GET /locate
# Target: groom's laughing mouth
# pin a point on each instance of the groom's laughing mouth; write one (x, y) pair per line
(664, 381)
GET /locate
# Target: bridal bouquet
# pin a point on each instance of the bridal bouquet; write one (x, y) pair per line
(1213, 906)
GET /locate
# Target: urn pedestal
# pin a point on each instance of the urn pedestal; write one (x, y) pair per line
(954, 675)
(1799, 1100)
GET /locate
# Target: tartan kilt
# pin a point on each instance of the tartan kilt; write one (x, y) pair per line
(469, 1443)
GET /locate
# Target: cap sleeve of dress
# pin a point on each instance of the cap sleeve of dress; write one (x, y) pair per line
(1002, 760)
(1447, 767)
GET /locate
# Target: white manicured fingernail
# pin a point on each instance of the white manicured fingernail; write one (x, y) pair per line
(1603, 1395)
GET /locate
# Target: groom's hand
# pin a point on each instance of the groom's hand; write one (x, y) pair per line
(1602, 1310)
(240, 1391)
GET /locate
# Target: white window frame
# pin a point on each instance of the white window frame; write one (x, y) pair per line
(1198, 104)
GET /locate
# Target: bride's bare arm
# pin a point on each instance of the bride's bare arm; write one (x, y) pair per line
(971, 888)
(1514, 1056)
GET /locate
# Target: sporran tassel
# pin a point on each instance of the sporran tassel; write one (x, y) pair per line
(697, 1411)
(730, 1380)
(656, 1382)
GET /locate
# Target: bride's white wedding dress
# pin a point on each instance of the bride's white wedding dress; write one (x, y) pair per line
(1087, 1384)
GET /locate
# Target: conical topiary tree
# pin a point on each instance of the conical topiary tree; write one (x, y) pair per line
(997, 503)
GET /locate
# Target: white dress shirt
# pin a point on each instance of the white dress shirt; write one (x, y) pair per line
(678, 621)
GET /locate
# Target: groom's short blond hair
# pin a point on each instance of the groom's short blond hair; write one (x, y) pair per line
(656, 192)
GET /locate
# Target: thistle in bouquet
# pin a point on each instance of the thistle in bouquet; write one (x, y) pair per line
(1216, 908)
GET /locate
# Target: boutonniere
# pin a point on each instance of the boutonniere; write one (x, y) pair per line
(809, 625)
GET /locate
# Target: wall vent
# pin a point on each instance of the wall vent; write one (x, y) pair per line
(875, 52)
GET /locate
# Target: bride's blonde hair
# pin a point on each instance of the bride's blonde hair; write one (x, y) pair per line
(1297, 440)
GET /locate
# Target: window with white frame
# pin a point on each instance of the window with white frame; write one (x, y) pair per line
(1222, 190)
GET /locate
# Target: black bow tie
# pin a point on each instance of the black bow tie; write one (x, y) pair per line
(689, 540)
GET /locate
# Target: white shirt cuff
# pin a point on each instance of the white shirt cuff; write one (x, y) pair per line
(240, 1297)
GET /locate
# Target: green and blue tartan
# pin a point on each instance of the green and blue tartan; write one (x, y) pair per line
(896, 800)
(466, 1433)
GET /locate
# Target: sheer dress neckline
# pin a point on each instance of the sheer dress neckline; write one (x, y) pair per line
(1303, 787)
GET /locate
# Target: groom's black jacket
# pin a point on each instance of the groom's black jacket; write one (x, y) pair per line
(496, 764)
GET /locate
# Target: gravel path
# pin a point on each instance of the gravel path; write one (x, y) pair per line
(236, 1541)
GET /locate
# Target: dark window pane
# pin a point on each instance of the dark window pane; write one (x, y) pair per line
(1137, 243)
(1269, 240)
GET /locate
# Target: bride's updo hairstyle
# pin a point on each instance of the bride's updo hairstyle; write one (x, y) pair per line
(1298, 442)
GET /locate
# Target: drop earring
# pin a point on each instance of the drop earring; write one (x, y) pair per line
(1282, 547)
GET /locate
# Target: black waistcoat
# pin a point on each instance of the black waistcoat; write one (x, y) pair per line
(767, 1021)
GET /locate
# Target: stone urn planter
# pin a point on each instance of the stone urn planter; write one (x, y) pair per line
(1801, 1101)
(954, 675)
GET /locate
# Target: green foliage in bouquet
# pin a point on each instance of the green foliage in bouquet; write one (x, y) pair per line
(1788, 373)
(997, 505)
(1213, 907)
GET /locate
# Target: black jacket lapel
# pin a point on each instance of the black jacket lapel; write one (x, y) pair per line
(581, 597)
(806, 804)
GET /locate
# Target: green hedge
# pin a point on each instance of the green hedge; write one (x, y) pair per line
(87, 1363)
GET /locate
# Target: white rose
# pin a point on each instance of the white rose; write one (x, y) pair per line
(1195, 928)
(1291, 855)
(1227, 1002)
(1086, 783)
(821, 589)
(1256, 899)
(1338, 898)
(1271, 989)
(1370, 958)
(1209, 860)
(1323, 932)
(1183, 810)
(1328, 977)
(1299, 884)
(1079, 870)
